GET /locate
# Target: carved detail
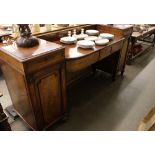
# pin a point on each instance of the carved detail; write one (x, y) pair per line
(25, 39)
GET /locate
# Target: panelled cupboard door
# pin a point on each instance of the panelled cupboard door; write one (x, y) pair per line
(50, 95)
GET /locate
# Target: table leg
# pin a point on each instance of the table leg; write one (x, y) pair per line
(130, 52)
(94, 70)
(154, 40)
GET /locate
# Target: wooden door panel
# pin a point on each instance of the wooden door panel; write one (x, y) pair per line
(50, 96)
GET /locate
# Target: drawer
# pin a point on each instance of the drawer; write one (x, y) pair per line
(81, 63)
(117, 46)
(44, 61)
(105, 52)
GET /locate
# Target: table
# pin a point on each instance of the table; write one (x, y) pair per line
(142, 37)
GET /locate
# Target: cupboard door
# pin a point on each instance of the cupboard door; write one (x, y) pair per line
(49, 89)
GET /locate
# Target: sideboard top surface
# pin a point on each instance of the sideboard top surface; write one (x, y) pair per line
(74, 52)
(24, 54)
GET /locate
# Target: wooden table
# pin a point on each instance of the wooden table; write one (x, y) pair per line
(140, 36)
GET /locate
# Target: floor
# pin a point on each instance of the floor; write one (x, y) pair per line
(98, 104)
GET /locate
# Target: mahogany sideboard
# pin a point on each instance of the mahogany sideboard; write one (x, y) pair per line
(35, 78)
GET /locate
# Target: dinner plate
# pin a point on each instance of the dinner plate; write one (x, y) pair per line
(68, 40)
(101, 41)
(107, 35)
(91, 38)
(92, 32)
(85, 44)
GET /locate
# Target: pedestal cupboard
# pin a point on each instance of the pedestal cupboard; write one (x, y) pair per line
(35, 78)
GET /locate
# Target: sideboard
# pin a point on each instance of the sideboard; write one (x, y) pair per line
(36, 77)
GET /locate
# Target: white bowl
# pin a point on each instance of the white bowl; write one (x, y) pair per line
(91, 38)
(81, 36)
(85, 44)
(68, 40)
(107, 35)
(92, 32)
(102, 41)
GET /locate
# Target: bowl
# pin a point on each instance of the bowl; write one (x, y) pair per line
(107, 36)
(101, 41)
(92, 32)
(91, 38)
(85, 44)
(68, 40)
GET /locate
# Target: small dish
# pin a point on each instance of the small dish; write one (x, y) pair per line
(107, 36)
(92, 32)
(68, 40)
(101, 42)
(85, 44)
(91, 38)
(81, 36)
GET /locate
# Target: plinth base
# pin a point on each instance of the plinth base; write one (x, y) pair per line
(10, 109)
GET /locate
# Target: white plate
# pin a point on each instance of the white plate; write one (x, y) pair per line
(85, 44)
(81, 36)
(107, 35)
(101, 41)
(68, 40)
(92, 32)
(91, 38)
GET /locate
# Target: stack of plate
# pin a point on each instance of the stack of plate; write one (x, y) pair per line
(107, 36)
(92, 32)
(68, 40)
(85, 44)
(91, 38)
(101, 41)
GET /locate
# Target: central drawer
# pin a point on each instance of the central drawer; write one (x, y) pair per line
(81, 63)
(105, 52)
